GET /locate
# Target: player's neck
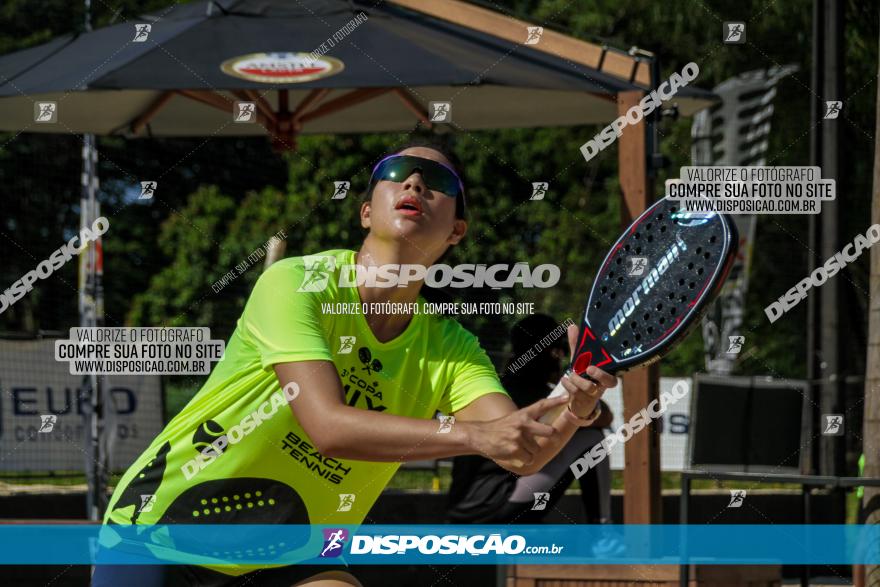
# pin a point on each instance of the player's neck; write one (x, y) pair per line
(389, 325)
(381, 251)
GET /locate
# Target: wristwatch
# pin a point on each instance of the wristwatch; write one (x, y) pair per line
(583, 422)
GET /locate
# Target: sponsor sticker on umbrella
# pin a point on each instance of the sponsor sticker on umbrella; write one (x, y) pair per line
(284, 67)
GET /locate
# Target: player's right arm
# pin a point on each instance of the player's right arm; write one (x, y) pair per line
(342, 431)
(284, 326)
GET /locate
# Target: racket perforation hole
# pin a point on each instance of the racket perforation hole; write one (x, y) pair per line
(619, 260)
(671, 295)
(706, 255)
(638, 337)
(626, 247)
(690, 265)
(663, 228)
(638, 249)
(650, 238)
(672, 311)
(699, 270)
(699, 250)
(713, 238)
(659, 307)
(691, 285)
(682, 299)
(662, 320)
(604, 289)
(681, 282)
(620, 280)
(597, 305)
(613, 295)
(650, 329)
(610, 274)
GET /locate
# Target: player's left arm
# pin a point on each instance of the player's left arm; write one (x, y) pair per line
(584, 395)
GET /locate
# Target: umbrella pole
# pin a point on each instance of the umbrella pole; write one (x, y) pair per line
(91, 314)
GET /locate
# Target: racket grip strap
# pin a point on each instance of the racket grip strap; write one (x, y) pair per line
(584, 422)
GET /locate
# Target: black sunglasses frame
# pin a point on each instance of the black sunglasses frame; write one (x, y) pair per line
(426, 167)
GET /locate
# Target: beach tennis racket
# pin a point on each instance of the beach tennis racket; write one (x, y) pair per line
(653, 287)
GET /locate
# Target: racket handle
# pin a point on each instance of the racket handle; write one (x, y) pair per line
(550, 416)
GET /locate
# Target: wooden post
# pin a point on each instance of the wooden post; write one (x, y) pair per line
(641, 474)
(870, 575)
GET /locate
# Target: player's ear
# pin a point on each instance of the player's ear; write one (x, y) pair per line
(459, 229)
(366, 208)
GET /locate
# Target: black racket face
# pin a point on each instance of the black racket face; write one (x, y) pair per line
(654, 284)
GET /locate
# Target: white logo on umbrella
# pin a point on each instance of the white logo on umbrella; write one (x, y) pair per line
(282, 67)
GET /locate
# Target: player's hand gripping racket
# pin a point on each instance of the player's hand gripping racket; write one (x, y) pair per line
(653, 287)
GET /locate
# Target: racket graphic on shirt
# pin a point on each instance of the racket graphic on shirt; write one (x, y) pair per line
(653, 287)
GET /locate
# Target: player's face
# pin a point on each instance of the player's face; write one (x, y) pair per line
(409, 211)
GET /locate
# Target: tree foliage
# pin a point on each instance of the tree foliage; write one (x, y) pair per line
(221, 199)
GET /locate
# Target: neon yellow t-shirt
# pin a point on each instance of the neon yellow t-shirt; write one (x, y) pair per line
(236, 453)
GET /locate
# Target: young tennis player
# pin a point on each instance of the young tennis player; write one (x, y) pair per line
(311, 411)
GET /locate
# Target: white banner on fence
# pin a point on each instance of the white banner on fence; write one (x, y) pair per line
(675, 423)
(42, 409)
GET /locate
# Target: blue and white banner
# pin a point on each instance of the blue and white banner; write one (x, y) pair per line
(44, 411)
(673, 424)
(264, 545)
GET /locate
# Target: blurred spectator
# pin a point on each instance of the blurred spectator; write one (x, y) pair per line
(484, 493)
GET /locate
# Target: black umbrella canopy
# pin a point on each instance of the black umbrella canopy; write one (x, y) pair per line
(308, 66)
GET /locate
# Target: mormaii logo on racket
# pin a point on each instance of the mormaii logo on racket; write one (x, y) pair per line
(647, 284)
(281, 67)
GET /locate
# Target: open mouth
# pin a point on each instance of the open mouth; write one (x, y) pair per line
(409, 205)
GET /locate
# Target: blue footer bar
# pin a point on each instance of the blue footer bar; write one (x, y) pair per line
(265, 545)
